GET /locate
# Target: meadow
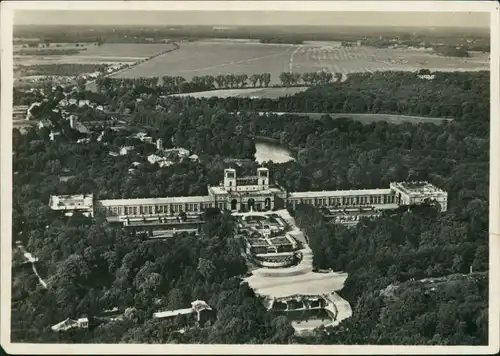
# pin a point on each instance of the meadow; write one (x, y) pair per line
(213, 57)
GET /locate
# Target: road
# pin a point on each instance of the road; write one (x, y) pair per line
(31, 259)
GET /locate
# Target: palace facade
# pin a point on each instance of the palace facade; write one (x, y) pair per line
(253, 193)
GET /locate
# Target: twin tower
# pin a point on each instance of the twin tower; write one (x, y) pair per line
(252, 183)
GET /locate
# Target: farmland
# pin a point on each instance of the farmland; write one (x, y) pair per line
(93, 54)
(86, 59)
(213, 57)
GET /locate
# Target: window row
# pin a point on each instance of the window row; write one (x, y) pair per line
(358, 200)
(155, 209)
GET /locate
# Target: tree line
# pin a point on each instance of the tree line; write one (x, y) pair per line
(178, 84)
(50, 51)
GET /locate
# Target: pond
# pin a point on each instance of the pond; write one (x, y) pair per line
(267, 151)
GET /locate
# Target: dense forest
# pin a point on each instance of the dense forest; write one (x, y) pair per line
(397, 249)
(92, 267)
(331, 154)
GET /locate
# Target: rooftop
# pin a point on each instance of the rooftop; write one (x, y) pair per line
(280, 240)
(197, 305)
(222, 191)
(155, 201)
(417, 188)
(64, 202)
(339, 193)
(171, 313)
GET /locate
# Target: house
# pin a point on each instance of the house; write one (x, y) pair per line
(81, 323)
(69, 203)
(140, 135)
(54, 134)
(83, 140)
(194, 158)
(426, 76)
(45, 123)
(82, 103)
(144, 137)
(165, 163)
(125, 150)
(152, 158)
(114, 154)
(199, 309)
(67, 102)
(161, 161)
(181, 152)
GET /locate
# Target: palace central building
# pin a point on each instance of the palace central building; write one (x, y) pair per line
(254, 193)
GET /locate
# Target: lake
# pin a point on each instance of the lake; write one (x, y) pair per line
(272, 152)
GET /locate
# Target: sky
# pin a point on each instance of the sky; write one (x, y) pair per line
(246, 18)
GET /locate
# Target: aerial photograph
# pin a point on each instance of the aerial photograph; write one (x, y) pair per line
(250, 178)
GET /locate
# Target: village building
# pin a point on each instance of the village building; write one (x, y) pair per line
(161, 161)
(54, 134)
(125, 150)
(80, 323)
(144, 137)
(44, 123)
(197, 314)
(70, 203)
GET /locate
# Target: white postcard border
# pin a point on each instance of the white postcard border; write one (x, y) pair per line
(7, 9)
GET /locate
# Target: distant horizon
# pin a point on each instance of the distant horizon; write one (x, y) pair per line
(243, 26)
(147, 18)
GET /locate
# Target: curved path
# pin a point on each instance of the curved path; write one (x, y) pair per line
(301, 280)
(30, 259)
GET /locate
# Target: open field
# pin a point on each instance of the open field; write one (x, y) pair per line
(213, 57)
(202, 58)
(347, 60)
(106, 53)
(253, 93)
